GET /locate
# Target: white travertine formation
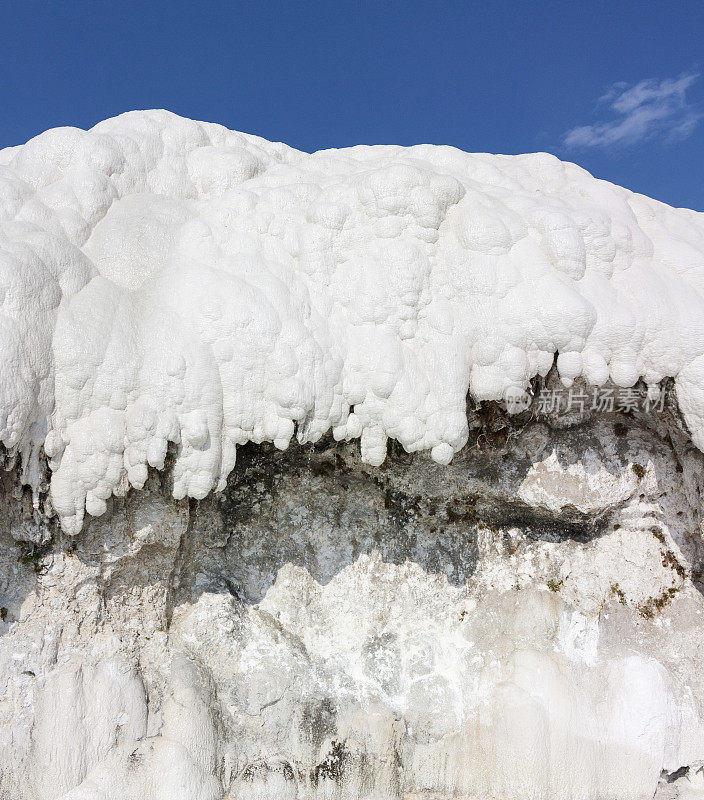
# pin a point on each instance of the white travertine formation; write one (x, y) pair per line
(169, 281)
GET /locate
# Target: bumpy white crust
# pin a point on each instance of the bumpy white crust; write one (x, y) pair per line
(164, 280)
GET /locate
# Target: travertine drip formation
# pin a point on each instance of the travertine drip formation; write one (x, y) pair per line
(169, 281)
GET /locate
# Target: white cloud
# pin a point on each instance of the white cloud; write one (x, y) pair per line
(649, 109)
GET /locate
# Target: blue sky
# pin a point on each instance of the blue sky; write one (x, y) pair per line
(614, 86)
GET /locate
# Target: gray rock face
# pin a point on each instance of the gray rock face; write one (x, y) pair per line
(523, 623)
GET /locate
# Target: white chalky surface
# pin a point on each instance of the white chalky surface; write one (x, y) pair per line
(164, 280)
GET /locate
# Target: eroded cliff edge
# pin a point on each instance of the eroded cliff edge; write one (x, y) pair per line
(523, 623)
(422, 596)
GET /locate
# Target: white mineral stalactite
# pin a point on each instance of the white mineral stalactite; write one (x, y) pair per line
(169, 281)
(514, 613)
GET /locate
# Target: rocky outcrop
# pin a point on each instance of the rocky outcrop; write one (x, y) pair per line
(523, 623)
(288, 510)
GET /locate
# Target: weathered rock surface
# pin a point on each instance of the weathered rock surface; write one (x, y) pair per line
(414, 600)
(523, 623)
